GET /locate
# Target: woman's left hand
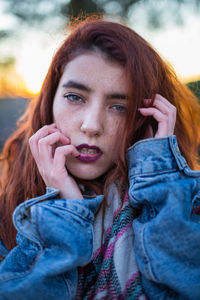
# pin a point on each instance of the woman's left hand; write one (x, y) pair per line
(164, 113)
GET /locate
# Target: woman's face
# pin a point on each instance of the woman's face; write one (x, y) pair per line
(90, 108)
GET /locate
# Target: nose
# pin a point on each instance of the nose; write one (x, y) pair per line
(92, 122)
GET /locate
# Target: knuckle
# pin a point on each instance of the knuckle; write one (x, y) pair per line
(71, 147)
(45, 127)
(64, 149)
(41, 142)
(174, 110)
(59, 150)
(57, 134)
(172, 107)
(32, 145)
(45, 130)
(31, 140)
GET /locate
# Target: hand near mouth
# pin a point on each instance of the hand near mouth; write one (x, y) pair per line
(50, 148)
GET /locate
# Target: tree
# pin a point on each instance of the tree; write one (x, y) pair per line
(38, 12)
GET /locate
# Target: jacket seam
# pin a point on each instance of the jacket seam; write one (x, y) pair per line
(146, 260)
(154, 173)
(69, 210)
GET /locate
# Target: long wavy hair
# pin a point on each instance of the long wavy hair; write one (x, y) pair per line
(147, 74)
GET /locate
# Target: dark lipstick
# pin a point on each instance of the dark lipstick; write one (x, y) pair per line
(89, 157)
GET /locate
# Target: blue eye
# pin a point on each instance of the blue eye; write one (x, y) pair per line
(119, 108)
(73, 98)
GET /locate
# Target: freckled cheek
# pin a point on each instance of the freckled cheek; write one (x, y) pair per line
(115, 128)
(63, 124)
(115, 137)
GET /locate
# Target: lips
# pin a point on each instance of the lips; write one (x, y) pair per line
(88, 153)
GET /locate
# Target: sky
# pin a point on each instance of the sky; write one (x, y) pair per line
(34, 49)
(179, 45)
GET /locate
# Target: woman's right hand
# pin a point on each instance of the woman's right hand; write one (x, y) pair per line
(49, 148)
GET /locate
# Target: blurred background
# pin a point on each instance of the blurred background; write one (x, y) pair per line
(32, 30)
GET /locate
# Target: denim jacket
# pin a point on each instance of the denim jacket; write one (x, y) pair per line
(55, 236)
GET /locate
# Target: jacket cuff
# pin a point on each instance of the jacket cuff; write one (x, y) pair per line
(155, 155)
(29, 215)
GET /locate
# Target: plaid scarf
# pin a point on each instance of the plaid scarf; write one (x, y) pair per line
(112, 273)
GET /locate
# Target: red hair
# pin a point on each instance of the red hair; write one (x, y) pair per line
(147, 75)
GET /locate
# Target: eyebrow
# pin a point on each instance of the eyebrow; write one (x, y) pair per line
(76, 85)
(81, 86)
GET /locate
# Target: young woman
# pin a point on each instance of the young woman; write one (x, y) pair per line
(119, 219)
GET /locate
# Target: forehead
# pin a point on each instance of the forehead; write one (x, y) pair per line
(95, 70)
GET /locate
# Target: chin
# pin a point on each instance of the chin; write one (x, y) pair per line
(85, 176)
(85, 171)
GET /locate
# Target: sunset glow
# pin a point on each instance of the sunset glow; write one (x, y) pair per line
(12, 84)
(178, 45)
(34, 59)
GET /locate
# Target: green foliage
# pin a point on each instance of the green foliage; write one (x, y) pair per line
(5, 33)
(75, 8)
(195, 88)
(38, 12)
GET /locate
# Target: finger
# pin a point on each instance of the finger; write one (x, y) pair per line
(60, 157)
(166, 125)
(154, 112)
(164, 106)
(164, 101)
(58, 176)
(165, 109)
(45, 149)
(160, 100)
(168, 109)
(162, 119)
(42, 132)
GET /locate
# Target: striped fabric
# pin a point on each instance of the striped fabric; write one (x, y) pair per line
(112, 273)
